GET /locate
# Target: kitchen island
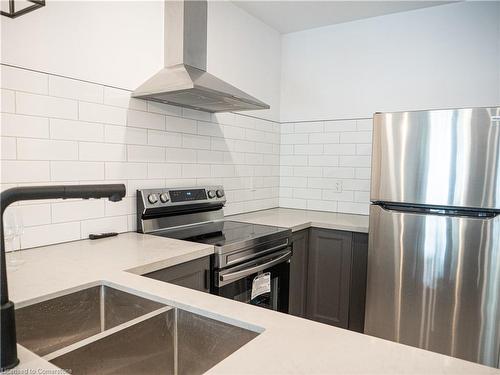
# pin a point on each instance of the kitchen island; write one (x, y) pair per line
(285, 345)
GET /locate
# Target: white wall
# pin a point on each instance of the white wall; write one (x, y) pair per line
(444, 56)
(120, 43)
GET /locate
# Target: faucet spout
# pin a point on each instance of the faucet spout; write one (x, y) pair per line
(114, 192)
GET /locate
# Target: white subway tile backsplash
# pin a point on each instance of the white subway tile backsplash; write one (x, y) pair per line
(45, 106)
(294, 139)
(293, 203)
(24, 126)
(210, 128)
(308, 171)
(324, 138)
(307, 193)
(8, 148)
(354, 208)
(196, 115)
(180, 155)
(308, 149)
(46, 149)
(322, 205)
(76, 130)
(356, 137)
(362, 196)
(323, 160)
(33, 214)
(338, 172)
(163, 109)
(75, 89)
(125, 135)
(49, 234)
(108, 224)
(92, 151)
(162, 138)
(209, 157)
(181, 125)
(76, 171)
(287, 128)
(141, 119)
(7, 101)
(309, 127)
(196, 141)
(334, 195)
(363, 173)
(233, 132)
(16, 171)
(77, 210)
(340, 126)
(106, 114)
(365, 124)
(23, 80)
(340, 149)
(293, 160)
(121, 98)
(125, 171)
(293, 182)
(356, 184)
(364, 149)
(163, 170)
(244, 146)
(195, 170)
(354, 161)
(127, 206)
(145, 153)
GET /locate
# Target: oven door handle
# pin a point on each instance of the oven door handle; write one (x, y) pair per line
(227, 278)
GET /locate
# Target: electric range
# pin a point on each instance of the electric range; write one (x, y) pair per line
(251, 262)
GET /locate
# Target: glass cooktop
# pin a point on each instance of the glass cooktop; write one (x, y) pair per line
(222, 233)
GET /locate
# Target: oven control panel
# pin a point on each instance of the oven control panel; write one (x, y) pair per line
(164, 197)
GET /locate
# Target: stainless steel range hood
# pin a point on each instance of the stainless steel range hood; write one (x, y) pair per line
(184, 81)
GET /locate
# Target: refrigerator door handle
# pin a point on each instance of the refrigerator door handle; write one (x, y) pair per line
(444, 211)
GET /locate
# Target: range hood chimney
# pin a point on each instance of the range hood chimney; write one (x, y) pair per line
(184, 81)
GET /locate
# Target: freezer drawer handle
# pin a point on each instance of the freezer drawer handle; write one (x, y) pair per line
(224, 279)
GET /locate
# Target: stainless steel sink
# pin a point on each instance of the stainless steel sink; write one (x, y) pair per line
(102, 330)
(170, 342)
(54, 324)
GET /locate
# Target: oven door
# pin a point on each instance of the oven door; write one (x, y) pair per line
(262, 282)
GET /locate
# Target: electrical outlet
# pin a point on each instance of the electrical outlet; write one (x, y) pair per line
(338, 187)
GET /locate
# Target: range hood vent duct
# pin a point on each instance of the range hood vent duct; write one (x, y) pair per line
(184, 81)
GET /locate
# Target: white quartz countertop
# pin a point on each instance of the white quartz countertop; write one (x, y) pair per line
(286, 344)
(302, 219)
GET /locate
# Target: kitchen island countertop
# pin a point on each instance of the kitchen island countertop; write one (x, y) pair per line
(286, 344)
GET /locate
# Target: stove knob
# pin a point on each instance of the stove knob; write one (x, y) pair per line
(164, 197)
(220, 193)
(152, 198)
(211, 194)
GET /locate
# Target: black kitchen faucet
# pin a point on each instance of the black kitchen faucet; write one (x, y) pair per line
(114, 192)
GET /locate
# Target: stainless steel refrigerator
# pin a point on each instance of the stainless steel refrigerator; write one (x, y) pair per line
(434, 238)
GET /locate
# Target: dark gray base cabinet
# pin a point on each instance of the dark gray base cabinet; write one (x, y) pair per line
(298, 274)
(194, 274)
(328, 277)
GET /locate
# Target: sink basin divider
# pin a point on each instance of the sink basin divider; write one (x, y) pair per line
(106, 333)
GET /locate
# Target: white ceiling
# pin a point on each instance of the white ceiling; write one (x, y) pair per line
(290, 16)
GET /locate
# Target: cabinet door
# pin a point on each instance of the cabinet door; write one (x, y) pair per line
(194, 274)
(298, 274)
(329, 276)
